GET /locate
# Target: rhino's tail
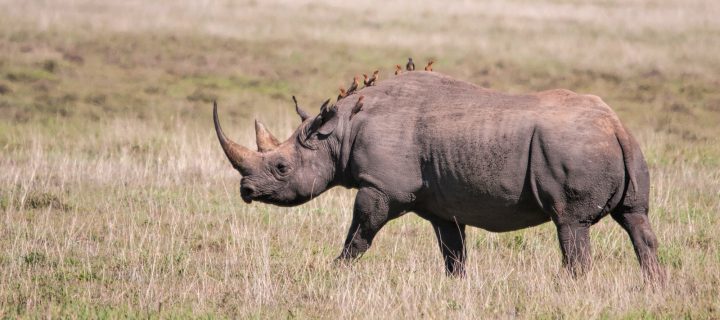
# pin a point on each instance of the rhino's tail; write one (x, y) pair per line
(637, 178)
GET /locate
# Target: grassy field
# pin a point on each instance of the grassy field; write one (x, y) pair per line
(116, 199)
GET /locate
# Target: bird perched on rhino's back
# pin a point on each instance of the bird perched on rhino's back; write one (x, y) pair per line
(342, 94)
(357, 107)
(354, 85)
(410, 66)
(371, 81)
(398, 69)
(428, 67)
(459, 155)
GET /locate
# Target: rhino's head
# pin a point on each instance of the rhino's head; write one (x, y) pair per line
(291, 172)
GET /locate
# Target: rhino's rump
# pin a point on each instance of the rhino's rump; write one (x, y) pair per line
(515, 170)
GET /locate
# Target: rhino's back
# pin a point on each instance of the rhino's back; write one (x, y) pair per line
(465, 151)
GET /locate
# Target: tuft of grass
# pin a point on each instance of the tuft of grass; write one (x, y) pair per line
(34, 258)
(43, 200)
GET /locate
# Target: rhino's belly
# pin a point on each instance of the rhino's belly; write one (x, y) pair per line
(492, 213)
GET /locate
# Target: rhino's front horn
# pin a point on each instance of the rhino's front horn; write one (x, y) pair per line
(239, 156)
(265, 140)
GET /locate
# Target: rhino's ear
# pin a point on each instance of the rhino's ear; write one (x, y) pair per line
(322, 125)
(328, 126)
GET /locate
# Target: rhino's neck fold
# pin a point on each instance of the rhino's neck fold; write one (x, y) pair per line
(341, 153)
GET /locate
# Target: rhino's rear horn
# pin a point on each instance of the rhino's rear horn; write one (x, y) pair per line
(239, 156)
(265, 140)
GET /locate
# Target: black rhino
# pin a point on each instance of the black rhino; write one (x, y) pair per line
(458, 155)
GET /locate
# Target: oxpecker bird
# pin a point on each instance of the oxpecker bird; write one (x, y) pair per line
(429, 65)
(342, 94)
(358, 106)
(354, 85)
(410, 66)
(373, 79)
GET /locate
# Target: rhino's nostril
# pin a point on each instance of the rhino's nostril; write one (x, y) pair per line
(245, 190)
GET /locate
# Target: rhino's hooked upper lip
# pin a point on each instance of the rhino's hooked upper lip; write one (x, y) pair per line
(246, 193)
(254, 196)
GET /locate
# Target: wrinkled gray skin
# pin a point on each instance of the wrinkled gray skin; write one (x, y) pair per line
(458, 155)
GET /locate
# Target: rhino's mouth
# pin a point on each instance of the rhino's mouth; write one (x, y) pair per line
(255, 197)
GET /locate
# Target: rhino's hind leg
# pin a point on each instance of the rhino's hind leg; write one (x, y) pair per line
(575, 247)
(451, 238)
(644, 241)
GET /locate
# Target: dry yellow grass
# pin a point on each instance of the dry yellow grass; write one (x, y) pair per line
(116, 198)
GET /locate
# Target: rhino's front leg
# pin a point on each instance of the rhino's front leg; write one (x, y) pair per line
(371, 212)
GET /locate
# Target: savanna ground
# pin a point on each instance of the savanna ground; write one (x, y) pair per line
(116, 198)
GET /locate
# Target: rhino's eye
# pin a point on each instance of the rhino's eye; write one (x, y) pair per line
(282, 168)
